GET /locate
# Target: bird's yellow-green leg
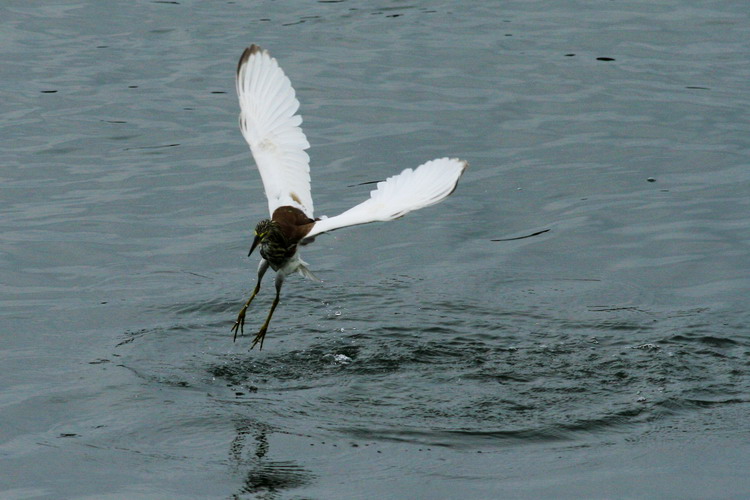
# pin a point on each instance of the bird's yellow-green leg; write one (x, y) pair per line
(262, 332)
(239, 325)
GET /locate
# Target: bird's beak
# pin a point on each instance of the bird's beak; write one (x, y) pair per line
(256, 240)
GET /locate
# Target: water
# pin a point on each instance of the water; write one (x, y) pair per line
(604, 358)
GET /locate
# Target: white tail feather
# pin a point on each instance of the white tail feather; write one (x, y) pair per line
(305, 271)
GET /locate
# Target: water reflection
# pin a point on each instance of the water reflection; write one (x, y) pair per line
(265, 478)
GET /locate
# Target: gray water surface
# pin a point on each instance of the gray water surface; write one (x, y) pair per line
(606, 357)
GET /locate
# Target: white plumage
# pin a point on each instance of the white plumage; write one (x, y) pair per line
(272, 129)
(398, 195)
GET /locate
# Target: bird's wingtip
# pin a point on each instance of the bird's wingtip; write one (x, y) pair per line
(247, 53)
(464, 164)
(447, 159)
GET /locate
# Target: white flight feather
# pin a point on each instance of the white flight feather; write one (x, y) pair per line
(396, 196)
(272, 130)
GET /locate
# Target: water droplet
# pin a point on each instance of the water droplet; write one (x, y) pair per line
(341, 359)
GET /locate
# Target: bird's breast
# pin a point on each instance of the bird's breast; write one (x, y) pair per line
(277, 253)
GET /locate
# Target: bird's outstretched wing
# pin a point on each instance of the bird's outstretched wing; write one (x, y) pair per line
(398, 195)
(271, 128)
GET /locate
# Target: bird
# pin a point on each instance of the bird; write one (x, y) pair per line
(271, 126)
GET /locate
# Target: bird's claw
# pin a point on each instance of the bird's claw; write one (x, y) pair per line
(239, 325)
(259, 339)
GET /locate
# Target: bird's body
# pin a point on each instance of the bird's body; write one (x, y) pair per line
(271, 128)
(282, 233)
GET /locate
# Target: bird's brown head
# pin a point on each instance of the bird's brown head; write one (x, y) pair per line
(263, 231)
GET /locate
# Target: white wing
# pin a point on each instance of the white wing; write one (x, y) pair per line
(271, 128)
(398, 195)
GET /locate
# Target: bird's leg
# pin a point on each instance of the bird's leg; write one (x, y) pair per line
(239, 325)
(262, 332)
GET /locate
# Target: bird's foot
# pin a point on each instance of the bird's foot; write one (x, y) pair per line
(259, 338)
(239, 325)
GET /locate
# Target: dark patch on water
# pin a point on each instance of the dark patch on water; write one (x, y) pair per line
(537, 233)
(153, 147)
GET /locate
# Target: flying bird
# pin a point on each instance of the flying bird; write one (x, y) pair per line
(271, 127)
